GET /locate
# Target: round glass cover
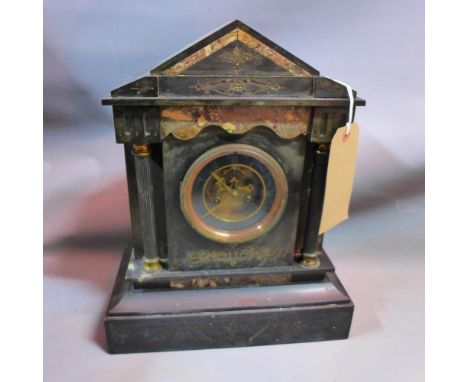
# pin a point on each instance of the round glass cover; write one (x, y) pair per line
(234, 193)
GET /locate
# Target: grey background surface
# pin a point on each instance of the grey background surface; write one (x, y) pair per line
(376, 46)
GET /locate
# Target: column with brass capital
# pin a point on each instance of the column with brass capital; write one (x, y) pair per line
(313, 241)
(146, 205)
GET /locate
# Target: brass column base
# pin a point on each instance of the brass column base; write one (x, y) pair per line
(153, 265)
(310, 261)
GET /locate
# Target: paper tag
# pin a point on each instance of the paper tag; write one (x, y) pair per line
(340, 177)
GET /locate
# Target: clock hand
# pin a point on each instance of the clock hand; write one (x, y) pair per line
(222, 182)
(248, 188)
(208, 212)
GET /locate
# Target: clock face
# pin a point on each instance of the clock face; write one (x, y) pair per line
(234, 193)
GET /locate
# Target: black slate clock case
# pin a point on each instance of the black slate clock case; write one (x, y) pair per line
(177, 289)
(179, 155)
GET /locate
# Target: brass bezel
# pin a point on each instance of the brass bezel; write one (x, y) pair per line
(246, 234)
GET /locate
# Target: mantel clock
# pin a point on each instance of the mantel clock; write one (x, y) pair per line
(226, 147)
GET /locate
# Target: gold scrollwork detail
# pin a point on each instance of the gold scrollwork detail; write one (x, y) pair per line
(231, 87)
(236, 257)
(238, 57)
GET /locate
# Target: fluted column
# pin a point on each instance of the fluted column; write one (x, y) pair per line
(146, 205)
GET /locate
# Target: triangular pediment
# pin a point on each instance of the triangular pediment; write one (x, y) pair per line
(236, 58)
(233, 63)
(235, 49)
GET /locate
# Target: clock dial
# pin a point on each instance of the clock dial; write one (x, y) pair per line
(234, 193)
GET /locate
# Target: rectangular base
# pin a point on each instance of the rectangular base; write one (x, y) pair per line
(161, 320)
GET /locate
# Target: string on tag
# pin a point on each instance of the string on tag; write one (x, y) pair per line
(351, 105)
